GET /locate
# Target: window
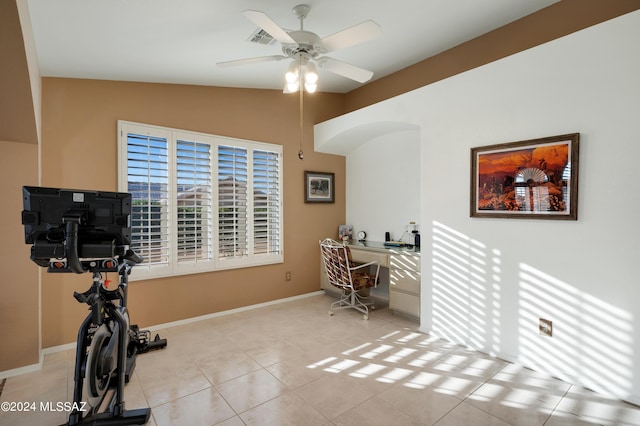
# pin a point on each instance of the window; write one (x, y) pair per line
(200, 202)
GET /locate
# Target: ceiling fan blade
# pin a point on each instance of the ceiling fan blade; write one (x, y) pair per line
(344, 69)
(267, 24)
(360, 33)
(248, 61)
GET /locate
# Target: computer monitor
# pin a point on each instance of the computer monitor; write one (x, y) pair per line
(101, 230)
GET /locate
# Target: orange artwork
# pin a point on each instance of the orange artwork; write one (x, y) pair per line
(513, 179)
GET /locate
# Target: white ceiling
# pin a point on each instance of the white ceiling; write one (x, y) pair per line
(180, 41)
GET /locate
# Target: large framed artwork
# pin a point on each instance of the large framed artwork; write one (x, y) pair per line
(535, 178)
(318, 187)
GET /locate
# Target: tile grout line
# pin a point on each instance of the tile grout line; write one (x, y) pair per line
(487, 381)
(474, 391)
(557, 405)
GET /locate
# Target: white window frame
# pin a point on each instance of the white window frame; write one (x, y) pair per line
(216, 262)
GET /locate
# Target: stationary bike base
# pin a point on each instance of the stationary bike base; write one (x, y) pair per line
(130, 417)
(113, 413)
(140, 343)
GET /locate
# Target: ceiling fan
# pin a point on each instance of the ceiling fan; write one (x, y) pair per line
(306, 48)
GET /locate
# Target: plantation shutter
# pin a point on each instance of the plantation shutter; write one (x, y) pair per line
(147, 181)
(200, 202)
(232, 202)
(193, 201)
(266, 202)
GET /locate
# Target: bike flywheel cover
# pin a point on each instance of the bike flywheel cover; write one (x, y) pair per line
(96, 378)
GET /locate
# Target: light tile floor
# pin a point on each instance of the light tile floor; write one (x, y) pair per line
(293, 364)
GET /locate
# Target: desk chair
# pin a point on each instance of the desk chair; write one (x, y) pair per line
(349, 277)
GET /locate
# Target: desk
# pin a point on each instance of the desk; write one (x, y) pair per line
(404, 273)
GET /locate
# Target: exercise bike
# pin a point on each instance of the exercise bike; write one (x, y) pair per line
(72, 232)
(106, 350)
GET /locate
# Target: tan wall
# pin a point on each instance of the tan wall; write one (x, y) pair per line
(19, 311)
(17, 115)
(79, 150)
(19, 307)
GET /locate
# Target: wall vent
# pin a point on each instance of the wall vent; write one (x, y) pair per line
(260, 36)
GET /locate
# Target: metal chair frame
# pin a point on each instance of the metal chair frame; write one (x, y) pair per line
(340, 271)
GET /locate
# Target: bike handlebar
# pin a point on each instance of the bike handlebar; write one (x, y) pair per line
(72, 221)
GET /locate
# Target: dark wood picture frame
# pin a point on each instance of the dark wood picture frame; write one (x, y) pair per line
(319, 187)
(532, 179)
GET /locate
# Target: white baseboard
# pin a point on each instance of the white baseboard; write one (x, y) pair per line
(23, 370)
(67, 346)
(59, 348)
(232, 311)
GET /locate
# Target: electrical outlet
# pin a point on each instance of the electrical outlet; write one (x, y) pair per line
(546, 327)
(287, 276)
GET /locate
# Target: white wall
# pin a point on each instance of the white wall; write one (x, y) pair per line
(486, 282)
(383, 185)
(382, 172)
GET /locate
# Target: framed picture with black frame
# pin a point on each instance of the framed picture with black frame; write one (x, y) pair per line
(319, 187)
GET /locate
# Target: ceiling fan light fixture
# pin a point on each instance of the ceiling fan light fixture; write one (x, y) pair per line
(301, 72)
(292, 74)
(310, 73)
(291, 87)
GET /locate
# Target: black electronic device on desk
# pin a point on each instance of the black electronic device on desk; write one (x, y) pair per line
(394, 244)
(78, 231)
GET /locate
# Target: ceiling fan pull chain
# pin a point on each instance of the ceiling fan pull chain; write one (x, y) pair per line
(300, 153)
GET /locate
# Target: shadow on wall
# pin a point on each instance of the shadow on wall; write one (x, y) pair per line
(466, 290)
(592, 341)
